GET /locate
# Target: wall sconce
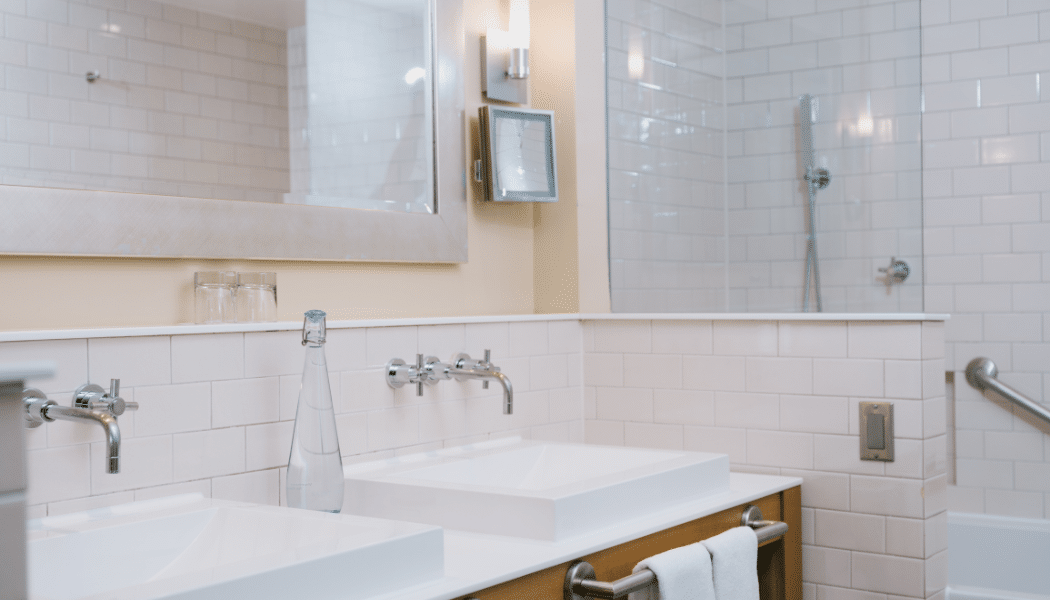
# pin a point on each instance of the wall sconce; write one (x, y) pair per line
(505, 58)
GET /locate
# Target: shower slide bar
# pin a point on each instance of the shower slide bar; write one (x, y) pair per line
(817, 178)
(981, 373)
(580, 579)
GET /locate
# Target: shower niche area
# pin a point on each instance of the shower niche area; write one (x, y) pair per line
(765, 156)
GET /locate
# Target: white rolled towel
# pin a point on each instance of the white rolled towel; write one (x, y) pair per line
(734, 563)
(681, 574)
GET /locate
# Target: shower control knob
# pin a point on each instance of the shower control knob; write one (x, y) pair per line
(896, 272)
(820, 177)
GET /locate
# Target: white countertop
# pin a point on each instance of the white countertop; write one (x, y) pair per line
(476, 561)
(189, 328)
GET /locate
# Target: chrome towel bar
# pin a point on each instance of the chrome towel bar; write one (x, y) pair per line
(580, 579)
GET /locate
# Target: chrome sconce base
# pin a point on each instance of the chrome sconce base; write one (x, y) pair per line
(519, 63)
(504, 70)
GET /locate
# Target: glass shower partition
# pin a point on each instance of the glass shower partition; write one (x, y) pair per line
(708, 192)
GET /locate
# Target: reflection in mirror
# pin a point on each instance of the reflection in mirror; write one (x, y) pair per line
(322, 102)
(518, 149)
(360, 73)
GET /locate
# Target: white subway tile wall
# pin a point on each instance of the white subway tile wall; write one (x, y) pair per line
(987, 244)
(781, 397)
(716, 220)
(860, 61)
(666, 155)
(216, 411)
(188, 104)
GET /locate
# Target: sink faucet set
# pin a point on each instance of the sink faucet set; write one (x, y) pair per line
(93, 403)
(90, 403)
(430, 370)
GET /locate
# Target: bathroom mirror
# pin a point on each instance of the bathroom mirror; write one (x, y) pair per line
(262, 129)
(517, 146)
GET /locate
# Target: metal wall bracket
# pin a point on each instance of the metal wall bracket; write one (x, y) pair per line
(496, 83)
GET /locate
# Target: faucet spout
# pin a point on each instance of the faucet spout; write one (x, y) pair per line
(486, 375)
(108, 422)
(508, 392)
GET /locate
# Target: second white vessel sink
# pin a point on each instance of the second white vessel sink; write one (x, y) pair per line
(189, 547)
(534, 490)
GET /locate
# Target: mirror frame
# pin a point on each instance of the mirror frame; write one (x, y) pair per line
(47, 221)
(487, 116)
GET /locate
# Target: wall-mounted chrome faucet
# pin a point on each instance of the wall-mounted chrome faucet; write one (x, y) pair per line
(90, 403)
(430, 370)
(465, 368)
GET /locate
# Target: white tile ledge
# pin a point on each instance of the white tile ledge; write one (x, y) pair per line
(190, 329)
(764, 317)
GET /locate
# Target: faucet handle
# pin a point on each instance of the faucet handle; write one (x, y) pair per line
(434, 370)
(92, 397)
(118, 405)
(398, 373)
(419, 374)
(488, 365)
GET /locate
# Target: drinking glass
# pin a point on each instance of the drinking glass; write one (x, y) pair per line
(213, 296)
(256, 297)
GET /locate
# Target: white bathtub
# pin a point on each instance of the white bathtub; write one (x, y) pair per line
(998, 558)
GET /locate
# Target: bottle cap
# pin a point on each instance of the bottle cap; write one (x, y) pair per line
(314, 327)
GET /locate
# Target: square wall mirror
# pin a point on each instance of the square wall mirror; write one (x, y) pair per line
(261, 129)
(518, 156)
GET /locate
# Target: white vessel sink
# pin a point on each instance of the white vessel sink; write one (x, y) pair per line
(191, 547)
(534, 490)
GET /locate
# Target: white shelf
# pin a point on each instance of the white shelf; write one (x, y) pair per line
(190, 329)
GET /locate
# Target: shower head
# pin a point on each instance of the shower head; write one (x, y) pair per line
(805, 118)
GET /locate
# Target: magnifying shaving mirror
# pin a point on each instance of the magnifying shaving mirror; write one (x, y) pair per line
(518, 156)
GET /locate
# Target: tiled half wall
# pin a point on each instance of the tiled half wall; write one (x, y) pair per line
(217, 410)
(782, 398)
(777, 396)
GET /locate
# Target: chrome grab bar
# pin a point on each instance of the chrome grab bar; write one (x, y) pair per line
(981, 373)
(580, 579)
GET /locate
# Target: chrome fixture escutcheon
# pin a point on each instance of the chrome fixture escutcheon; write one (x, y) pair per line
(819, 177)
(896, 272)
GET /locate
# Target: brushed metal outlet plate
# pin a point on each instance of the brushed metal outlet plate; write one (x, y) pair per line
(876, 431)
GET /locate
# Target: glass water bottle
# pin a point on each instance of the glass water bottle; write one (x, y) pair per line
(315, 469)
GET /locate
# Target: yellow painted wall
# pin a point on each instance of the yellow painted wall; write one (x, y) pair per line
(522, 259)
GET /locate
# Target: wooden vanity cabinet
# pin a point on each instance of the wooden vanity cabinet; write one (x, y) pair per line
(779, 561)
